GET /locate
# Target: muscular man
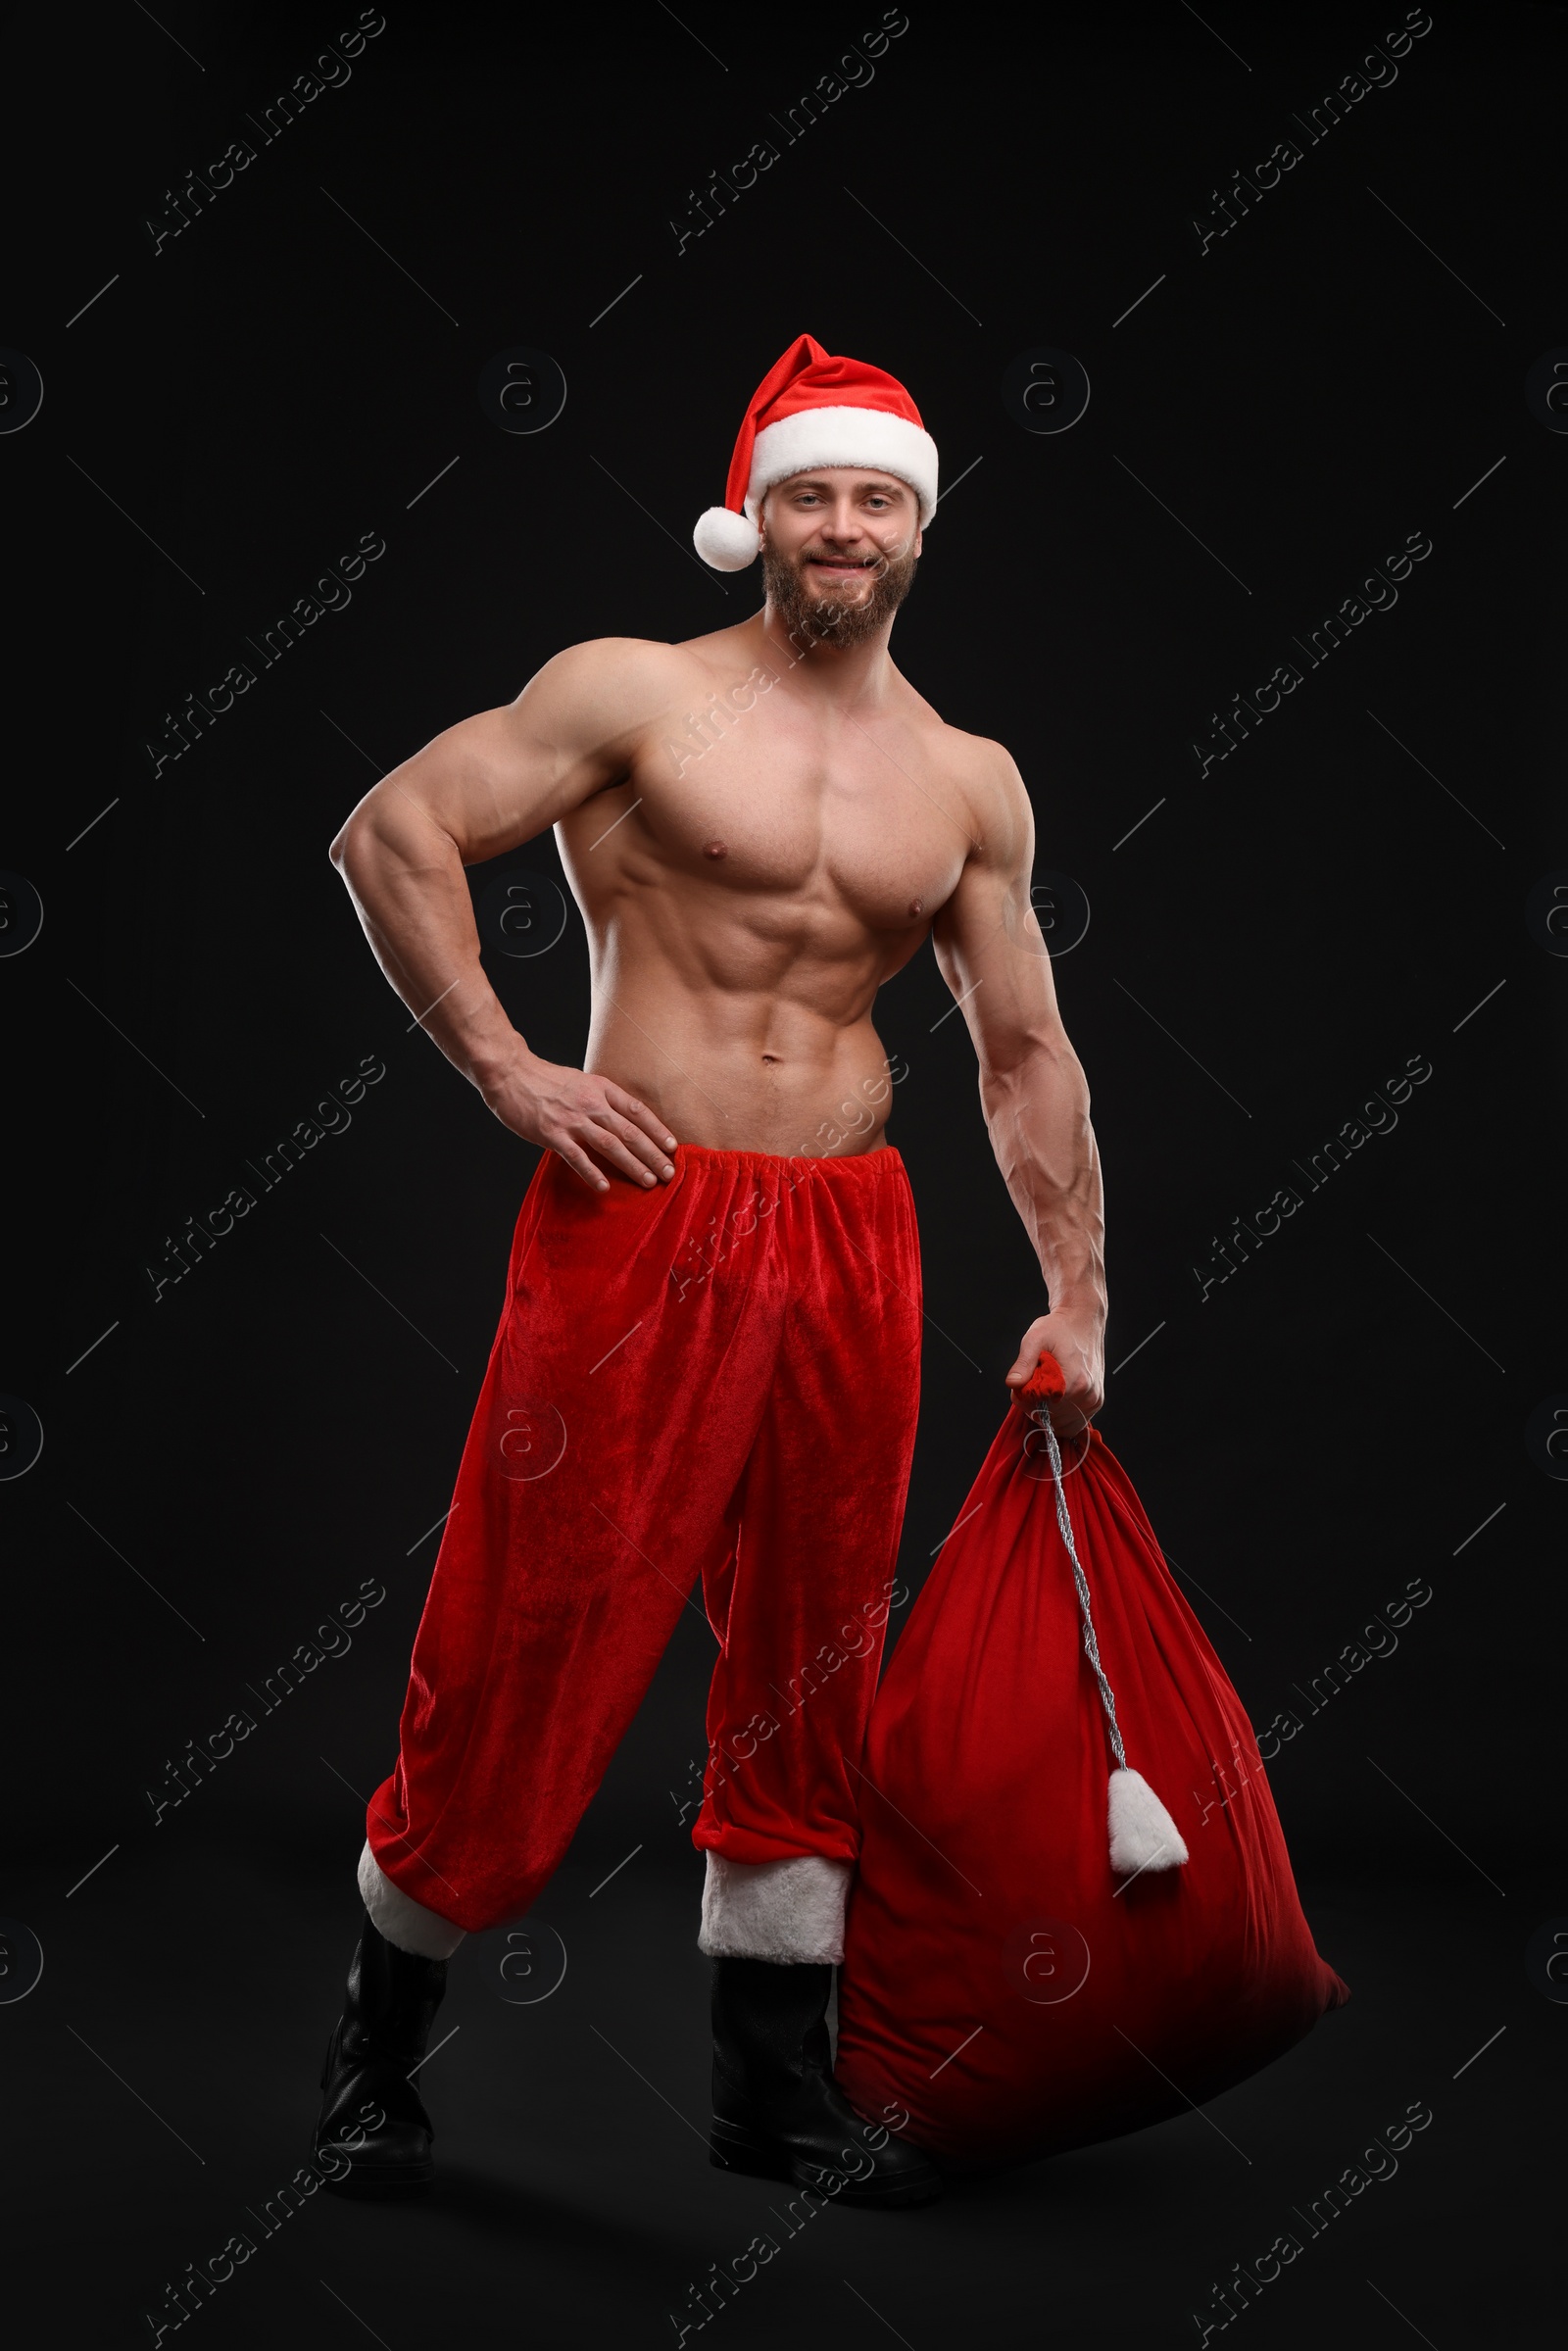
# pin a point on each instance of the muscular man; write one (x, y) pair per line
(709, 1353)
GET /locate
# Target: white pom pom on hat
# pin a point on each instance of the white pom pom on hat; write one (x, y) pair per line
(725, 540)
(815, 409)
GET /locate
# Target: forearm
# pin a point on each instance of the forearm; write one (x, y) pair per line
(406, 877)
(1037, 1112)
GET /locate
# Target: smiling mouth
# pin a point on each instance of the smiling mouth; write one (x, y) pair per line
(842, 563)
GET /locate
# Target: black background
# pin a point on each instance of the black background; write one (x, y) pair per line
(1278, 938)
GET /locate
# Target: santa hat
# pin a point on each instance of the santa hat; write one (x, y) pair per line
(813, 409)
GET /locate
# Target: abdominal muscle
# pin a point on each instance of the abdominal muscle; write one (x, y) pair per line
(737, 1006)
(742, 1072)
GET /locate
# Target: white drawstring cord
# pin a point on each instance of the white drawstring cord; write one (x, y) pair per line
(1143, 1835)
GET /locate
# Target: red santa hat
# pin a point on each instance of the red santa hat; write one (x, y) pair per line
(813, 409)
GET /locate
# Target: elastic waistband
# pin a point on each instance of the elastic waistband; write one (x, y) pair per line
(857, 1167)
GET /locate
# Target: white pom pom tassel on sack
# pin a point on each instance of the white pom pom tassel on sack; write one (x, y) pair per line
(1143, 1835)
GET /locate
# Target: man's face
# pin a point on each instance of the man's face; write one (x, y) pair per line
(838, 551)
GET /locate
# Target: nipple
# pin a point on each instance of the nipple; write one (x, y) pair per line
(916, 906)
(714, 849)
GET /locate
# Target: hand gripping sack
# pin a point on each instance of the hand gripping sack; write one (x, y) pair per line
(1074, 1912)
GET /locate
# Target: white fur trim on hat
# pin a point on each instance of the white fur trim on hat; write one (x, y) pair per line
(727, 540)
(844, 436)
(399, 1918)
(787, 1911)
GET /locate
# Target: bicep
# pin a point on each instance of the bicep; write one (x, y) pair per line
(988, 941)
(507, 775)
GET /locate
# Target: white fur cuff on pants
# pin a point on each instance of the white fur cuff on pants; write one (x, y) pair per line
(790, 1911)
(399, 1918)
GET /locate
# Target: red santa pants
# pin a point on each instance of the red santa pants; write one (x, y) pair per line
(721, 1374)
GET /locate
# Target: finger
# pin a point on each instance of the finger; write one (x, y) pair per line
(609, 1146)
(629, 1107)
(637, 1139)
(580, 1164)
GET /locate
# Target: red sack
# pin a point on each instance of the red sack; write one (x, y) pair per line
(1004, 1985)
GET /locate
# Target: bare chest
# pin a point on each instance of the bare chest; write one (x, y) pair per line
(772, 801)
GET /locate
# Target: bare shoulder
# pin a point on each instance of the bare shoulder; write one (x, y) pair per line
(621, 677)
(988, 775)
(593, 706)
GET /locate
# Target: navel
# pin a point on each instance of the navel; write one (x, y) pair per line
(714, 849)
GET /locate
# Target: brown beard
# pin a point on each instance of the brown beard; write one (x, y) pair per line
(814, 620)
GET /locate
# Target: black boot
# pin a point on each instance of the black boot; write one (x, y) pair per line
(373, 2133)
(777, 2111)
